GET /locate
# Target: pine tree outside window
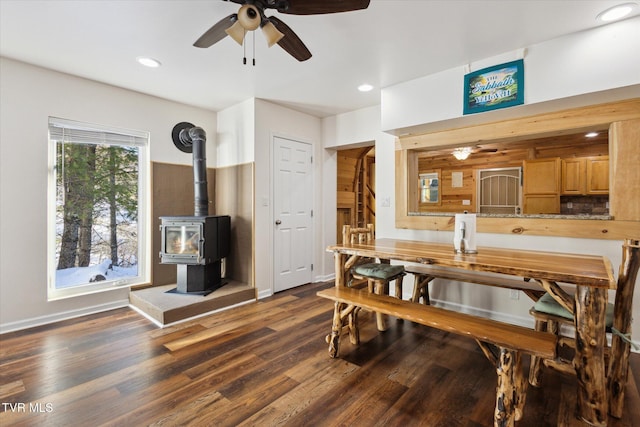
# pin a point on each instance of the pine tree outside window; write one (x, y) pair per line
(97, 208)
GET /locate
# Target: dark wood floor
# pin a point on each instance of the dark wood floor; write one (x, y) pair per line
(261, 364)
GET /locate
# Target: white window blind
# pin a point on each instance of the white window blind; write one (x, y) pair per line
(71, 132)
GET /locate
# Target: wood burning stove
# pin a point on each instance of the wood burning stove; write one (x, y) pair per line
(196, 244)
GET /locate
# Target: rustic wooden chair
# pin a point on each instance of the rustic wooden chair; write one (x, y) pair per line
(549, 315)
(376, 275)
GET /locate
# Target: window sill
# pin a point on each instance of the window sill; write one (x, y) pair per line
(79, 291)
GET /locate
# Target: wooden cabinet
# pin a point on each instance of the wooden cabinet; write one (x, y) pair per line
(541, 204)
(542, 176)
(598, 175)
(585, 175)
(541, 189)
(573, 176)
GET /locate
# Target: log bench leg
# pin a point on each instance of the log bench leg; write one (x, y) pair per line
(381, 287)
(511, 390)
(342, 312)
(336, 329)
(589, 360)
(354, 333)
(535, 370)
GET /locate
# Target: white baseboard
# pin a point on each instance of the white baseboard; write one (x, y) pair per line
(265, 293)
(57, 317)
(325, 278)
(526, 322)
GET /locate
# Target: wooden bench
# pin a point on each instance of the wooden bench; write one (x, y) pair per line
(511, 340)
(424, 275)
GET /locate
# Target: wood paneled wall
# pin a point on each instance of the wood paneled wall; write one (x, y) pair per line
(488, 156)
(621, 119)
(346, 192)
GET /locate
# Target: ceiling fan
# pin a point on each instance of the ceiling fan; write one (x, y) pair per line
(461, 153)
(252, 15)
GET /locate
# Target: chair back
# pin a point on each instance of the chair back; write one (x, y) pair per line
(352, 235)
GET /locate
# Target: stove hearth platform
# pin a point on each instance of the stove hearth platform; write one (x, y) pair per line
(165, 307)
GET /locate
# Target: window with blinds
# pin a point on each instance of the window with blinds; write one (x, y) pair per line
(97, 207)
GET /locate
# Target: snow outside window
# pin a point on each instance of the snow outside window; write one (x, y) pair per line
(97, 208)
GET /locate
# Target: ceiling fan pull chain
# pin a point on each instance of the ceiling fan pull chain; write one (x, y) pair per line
(244, 49)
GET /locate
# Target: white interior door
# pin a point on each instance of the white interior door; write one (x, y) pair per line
(293, 201)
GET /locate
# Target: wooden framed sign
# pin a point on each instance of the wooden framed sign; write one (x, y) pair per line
(494, 87)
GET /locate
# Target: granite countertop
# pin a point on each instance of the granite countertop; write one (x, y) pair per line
(539, 216)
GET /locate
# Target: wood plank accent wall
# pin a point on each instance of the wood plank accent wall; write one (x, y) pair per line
(451, 198)
(622, 119)
(347, 161)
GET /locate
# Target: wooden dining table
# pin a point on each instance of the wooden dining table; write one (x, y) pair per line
(590, 275)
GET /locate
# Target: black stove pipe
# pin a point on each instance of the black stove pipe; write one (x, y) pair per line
(193, 139)
(199, 139)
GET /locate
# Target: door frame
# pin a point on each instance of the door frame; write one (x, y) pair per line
(272, 169)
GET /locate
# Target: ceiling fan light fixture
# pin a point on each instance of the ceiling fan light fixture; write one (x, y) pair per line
(249, 17)
(236, 32)
(271, 33)
(461, 153)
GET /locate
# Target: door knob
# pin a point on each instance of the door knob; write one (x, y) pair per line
(278, 222)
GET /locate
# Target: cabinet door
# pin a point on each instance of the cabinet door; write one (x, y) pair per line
(598, 175)
(542, 176)
(573, 176)
(542, 204)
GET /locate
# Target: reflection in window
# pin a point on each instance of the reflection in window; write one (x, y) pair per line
(429, 187)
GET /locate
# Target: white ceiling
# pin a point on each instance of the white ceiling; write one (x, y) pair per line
(390, 42)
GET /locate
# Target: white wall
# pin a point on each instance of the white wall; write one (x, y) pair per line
(249, 128)
(236, 134)
(276, 120)
(29, 96)
(588, 62)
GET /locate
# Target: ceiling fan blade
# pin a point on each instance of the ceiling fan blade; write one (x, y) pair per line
(317, 7)
(290, 42)
(216, 33)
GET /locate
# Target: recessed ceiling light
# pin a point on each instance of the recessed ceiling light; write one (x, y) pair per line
(365, 87)
(148, 62)
(591, 134)
(616, 12)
